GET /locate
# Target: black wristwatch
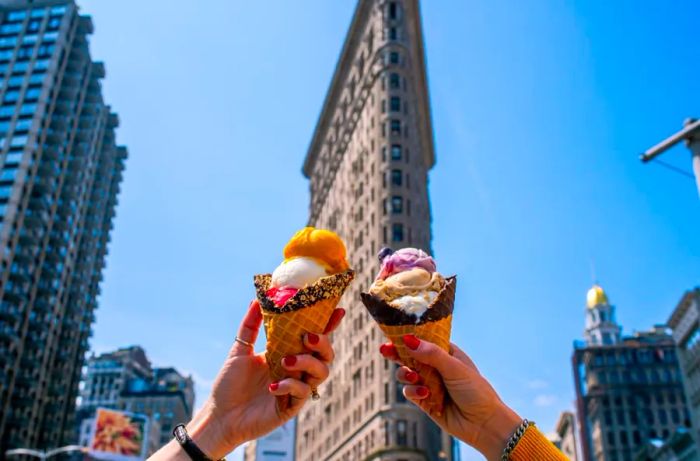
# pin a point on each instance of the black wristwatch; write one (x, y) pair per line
(187, 444)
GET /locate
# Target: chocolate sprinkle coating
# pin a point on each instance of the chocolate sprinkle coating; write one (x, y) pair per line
(331, 286)
(440, 308)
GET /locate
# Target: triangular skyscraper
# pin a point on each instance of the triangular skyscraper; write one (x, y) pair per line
(368, 165)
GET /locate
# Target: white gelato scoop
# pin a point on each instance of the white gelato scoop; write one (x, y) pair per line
(415, 304)
(297, 273)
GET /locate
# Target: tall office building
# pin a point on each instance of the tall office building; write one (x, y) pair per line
(628, 389)
(685, 324)
(368, 166)
(60, 169)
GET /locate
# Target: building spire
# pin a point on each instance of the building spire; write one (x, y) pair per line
(601, 326)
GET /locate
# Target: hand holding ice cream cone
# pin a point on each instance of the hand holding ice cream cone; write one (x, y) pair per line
(409, 297)
(300, 296)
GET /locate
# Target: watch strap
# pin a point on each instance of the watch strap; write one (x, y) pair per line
(188, 445)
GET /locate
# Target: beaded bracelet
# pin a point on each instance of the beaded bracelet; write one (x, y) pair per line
(515, 438)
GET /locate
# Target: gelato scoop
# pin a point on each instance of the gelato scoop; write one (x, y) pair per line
(408, 280)
(309, 255)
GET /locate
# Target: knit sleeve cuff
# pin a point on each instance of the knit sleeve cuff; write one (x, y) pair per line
(535, 446)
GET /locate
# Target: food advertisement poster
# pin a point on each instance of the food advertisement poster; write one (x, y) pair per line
(119, 435)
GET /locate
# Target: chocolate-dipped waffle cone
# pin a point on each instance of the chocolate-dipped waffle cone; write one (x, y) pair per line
(308, 311)
(434, 326)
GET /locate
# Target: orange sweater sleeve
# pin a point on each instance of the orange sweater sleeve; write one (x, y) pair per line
(533, 446)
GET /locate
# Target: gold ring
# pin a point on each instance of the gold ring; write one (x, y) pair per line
(244, 342)
(314, 394)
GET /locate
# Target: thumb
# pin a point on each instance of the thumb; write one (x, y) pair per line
(431, 354)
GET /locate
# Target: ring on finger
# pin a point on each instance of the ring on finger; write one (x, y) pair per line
(314, 394)
(244, 342)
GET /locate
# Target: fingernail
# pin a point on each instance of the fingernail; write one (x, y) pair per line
(312, 338)
(342, 313)
(289, 361)
(411, 341)
(385, 350)
(422, 391)
(273, 386)
(412, 376)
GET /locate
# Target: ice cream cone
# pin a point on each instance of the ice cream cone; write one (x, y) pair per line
(308, 311)
(434, 326)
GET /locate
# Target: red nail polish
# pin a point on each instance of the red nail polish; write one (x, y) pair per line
(312, 338)
(289, 361)
(411, 376)
(422, 391)
(385, 350)
(411, 341)
(273, 386)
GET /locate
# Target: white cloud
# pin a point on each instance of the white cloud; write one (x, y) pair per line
(545, 400)
(537, 384)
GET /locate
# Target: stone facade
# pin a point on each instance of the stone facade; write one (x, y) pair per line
(685, 324)
(368, 167)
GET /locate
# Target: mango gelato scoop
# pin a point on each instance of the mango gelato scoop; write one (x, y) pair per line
(308, 256)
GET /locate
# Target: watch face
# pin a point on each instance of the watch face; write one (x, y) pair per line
(180, 433)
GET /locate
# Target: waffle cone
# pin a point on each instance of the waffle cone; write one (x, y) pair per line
(437, 332)
(435, 326)
(306, 312)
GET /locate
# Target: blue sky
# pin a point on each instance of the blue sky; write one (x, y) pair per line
(540, 109)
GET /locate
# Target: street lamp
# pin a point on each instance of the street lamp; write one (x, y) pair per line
(691, 135)
(45, 454)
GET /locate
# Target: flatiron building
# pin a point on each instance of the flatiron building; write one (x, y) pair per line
(368, 166)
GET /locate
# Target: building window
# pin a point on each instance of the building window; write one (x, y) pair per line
(8, 42)
(34, 25)
(8, 29)
(13, 157)
(611, 439)
(396, 152)
(401, 438)
(16, 16)
(394, 57)
(394, 81)
(383, 106)
(393, 33)
(675, 416)
(395, 104)
(54, 23)
(393, 11)
(8, 174)
(32, 94)
(11, 96)
(396, 176)
(396, 204)
(395, 127)
(397, 232)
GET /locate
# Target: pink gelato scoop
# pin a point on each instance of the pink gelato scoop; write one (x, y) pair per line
(403, 260)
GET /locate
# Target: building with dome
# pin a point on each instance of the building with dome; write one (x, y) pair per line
(629, 389)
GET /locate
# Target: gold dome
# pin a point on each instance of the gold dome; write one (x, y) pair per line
(596, 295)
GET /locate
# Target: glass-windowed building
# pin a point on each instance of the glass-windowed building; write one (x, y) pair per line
(629, 389)
(60, 169)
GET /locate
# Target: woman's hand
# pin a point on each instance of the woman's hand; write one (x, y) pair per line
(473, 412)
(242, 405)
